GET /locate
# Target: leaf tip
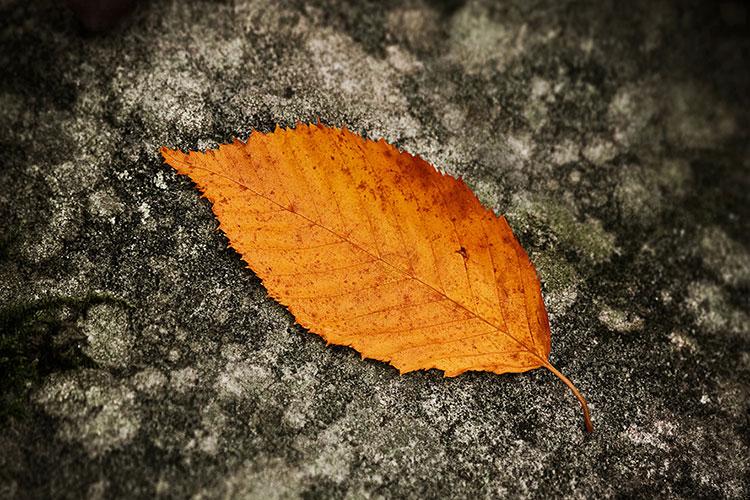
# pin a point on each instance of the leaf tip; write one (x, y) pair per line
(174, 157)
(166, 153)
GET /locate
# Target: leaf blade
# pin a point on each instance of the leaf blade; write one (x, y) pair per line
(359, 239)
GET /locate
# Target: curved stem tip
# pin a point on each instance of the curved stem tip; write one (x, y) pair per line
(578, 395)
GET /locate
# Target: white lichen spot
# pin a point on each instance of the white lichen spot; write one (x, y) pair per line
(105, 205)
(599, 150)
(540, 96)
(360, 82)
(712, 310)
(657, 436)
(468, 433)
(401, 60)
(208, 436)
(240, 379)
(521, 146)
(415, 28)
(620, 321)
(145, 210)
(540, 88)
(107, 329)
(98, 490)
(453, 117)
(148, 222)
(631, 111)
(149, 380)
(482, 44)
(271, 479)
(92, 409)
(233, 352)
(184, 379)
(208, 444)
(162, 487)
(301, 384)
(565, 152)
(681, 341)
(334, 458)
(168, 93)
(159, 180)
(587, 45)
(264, 17)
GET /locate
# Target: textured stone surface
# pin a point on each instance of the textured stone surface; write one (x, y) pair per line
(140, 357)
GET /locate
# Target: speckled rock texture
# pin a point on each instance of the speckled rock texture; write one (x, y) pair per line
(140, 358)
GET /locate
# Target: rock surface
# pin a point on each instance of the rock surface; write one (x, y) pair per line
(139, 357)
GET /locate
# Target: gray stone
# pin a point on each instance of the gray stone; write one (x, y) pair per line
(143, 358)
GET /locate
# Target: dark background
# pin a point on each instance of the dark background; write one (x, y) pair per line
(139, 357)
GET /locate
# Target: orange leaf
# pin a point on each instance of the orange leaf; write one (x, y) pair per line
(372, 248)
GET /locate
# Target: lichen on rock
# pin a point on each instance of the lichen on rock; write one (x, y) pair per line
(143, 358)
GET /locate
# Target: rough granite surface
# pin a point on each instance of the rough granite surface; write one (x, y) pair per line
(141, 358)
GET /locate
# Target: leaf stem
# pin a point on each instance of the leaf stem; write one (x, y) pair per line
(578, 395)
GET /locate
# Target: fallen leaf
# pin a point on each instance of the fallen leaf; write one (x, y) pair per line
(373, 248)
